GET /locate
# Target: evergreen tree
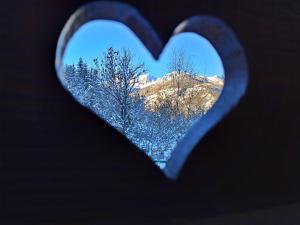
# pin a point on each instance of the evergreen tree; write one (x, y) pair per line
(80, 79)
(70, 71)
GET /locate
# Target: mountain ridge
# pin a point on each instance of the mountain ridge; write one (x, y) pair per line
(193, 92)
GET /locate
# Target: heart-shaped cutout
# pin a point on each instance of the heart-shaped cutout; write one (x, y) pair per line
(177, 121)
(151, 102)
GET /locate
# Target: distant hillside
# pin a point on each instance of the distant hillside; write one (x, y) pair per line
(194, 94)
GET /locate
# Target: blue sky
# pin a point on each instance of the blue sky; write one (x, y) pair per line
(95, 37)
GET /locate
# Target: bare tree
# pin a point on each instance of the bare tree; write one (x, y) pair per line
(180, 63)
(118, 75)
(182, 72)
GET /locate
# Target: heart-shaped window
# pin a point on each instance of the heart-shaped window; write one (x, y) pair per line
(164, 100)
(151, 102)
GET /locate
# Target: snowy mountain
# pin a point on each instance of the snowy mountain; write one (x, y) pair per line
(192, 92)
(144, 80)
(216, 80)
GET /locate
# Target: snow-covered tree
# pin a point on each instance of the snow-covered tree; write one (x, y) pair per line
(109, 87)
(118, 75)
(70, 71)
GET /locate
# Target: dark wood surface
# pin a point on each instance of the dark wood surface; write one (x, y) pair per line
(60, 164)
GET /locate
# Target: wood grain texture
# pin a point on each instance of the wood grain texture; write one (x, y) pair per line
(62, 165)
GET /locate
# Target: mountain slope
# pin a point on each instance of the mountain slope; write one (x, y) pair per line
(189, 94)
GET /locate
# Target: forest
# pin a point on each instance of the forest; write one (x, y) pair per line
(155, 116)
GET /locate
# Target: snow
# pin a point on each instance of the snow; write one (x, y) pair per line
(154, 131)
